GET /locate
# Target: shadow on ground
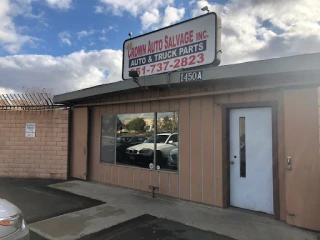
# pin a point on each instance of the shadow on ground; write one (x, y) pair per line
(147, 227)
(39, 202)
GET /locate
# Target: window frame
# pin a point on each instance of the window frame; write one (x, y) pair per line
(155, 129)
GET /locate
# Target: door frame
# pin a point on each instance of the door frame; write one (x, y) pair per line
(226, 150)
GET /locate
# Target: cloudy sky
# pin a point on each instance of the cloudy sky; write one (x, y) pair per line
(72, 44)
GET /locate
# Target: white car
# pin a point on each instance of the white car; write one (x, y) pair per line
(142, 154)
(12, 224)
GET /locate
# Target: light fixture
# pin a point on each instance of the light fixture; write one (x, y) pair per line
(135, 75)
(205, 9)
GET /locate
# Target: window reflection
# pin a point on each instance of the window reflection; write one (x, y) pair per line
(107, 143)
(167, 141)
(133, 130)
(136, 140)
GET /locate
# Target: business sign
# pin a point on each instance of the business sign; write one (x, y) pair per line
(30, 130)
(188, 44)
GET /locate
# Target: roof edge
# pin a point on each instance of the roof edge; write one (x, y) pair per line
(255, 68)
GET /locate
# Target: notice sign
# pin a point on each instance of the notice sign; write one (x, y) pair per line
(30, 130)
(192, 43)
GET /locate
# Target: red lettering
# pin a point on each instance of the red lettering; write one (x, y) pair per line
(204, 34)
(191, 36)
(178, 40)
(137, 51)
(186, 37)
(166, 43)
(201, 35)
(155, 46)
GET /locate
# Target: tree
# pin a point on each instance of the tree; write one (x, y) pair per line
(137, 124)
(175, 123)
(120, 125)
(168, 124)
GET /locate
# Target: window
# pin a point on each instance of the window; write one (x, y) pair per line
(173, 138)
(161, 138)
(242, 136)
(107, 141)
(134, 128)
(130, 139)
(167, 157)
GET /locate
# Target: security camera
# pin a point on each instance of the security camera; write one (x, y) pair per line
(130, 34)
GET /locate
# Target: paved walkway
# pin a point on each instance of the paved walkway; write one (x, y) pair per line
(124, 204)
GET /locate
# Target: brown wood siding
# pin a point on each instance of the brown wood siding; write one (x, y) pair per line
(195, 150)
(129, 177)
(122, 176)
(94, 140)
(136, 179)
(114, 175)
(302, 145)
(218, 160)
(207, 150)
(174, 185)
(145, 178)
(200, 176)
(164, 183)
(154, 178)
(184, 143)
(101, 173)
(107, 173)
(281, 156)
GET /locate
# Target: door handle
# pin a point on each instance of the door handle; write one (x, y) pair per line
(84, 151)
(231, 162)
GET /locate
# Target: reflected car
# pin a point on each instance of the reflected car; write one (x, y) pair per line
(12, 223)
(142, 154)
(124, 142)
(173, 158)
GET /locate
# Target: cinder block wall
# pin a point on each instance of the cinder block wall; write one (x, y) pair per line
(44, 156)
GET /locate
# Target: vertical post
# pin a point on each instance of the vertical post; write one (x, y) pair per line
(155, 123)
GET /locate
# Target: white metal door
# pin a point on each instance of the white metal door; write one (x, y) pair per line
(251, 181)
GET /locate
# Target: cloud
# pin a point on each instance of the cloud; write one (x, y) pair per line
(103, 39)
(98, 9)
(64, 38)
(153, 19)
(66, 73)
(150, 18)
(84, 33)
(172, 15)
(149, 11)
(60, 4)
(134, 7)
(258, 29)
(10, 39)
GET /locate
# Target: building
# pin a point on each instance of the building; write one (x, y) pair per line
(248, 136)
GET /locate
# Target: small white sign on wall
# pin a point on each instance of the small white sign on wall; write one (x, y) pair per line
(30, 130)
